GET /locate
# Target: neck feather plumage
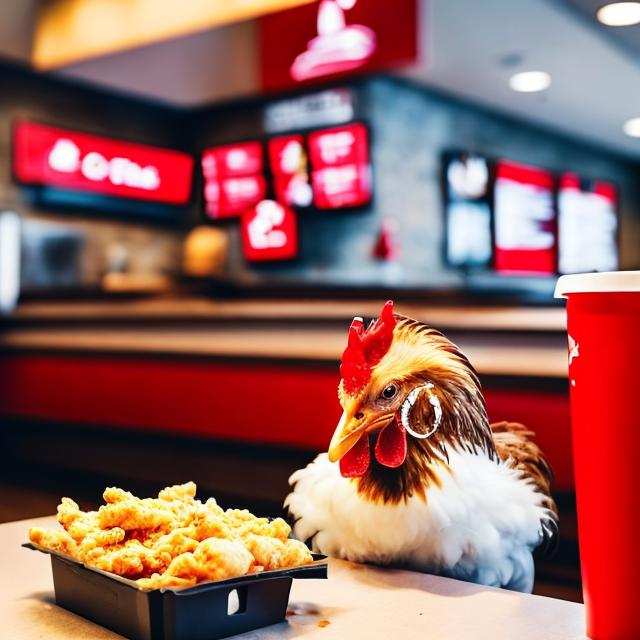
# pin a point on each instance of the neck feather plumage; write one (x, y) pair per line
(464, 425)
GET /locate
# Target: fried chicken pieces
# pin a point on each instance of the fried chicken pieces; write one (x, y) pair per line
(173, 540)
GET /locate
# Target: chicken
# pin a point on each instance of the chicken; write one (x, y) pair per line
(415, 476)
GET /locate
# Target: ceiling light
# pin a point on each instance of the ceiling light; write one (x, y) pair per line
(632, 127)
(619, 14)
(530, 81)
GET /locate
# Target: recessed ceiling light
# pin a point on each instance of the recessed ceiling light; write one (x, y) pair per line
(632, 127)
(530, 81)
(619, 14)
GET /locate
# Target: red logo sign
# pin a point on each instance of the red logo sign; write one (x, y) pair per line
(269, 232)
(525, 219)
(233, 179)
(334, 37)
(338, 47)
(54, 157)
(342, 175)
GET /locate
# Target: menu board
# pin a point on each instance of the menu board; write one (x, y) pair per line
(587, 225)
(328, 169)
(233, 179)
(290, 169)
(468, 211)
(341, 175)
(524, 219)
(269, 232)
(72, 161)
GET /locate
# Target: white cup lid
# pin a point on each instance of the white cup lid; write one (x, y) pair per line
(608, 281)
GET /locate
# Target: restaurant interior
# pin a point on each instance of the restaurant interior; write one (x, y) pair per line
(197, 198)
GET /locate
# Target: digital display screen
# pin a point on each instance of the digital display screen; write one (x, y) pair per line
(524, 219)
(233, 179)
(325, 169)
(468, 211)
(78, 162)
(587, 225)
(290, 169)
(341, 175)
(269, 232)
(242, 159)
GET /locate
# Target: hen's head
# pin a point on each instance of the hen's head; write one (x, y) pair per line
(408, 395)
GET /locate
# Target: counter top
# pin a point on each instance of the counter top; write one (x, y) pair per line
(291, 343)
(357, 601)
(472, 317)
(499, 341)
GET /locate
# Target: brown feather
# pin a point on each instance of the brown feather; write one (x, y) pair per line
(514, 444)
(418, 354)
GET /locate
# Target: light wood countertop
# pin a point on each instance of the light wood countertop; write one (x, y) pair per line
(501, 341)
(357, 601)
(469, 317)
(490, 355)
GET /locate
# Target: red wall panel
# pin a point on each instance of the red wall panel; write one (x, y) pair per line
(547, 413)
(258, 403)
(289, 405)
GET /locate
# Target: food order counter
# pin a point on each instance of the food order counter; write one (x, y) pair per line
(356, 601)
(258, 372)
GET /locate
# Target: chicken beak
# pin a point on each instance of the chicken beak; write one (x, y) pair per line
(351, 428)
(347, 433)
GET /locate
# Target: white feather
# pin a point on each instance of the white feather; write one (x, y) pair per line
(480, 525)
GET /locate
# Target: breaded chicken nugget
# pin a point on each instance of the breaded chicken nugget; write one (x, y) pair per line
(58, 540)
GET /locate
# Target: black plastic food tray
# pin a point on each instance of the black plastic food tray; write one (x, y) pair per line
(194, 613)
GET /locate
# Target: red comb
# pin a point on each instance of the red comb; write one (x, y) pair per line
(365, 349)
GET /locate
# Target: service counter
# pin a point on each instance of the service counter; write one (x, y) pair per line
(356, 601)
(261, 372)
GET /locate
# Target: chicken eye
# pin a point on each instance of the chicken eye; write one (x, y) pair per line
(389, 391)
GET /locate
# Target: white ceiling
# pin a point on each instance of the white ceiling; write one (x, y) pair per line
(595, 88)
(627, 37)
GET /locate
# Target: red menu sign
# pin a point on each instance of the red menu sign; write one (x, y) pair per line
(290, 168)
(233, 179)
(331, 38)
(340, 159)
(269, 232)
(525, 219)
(241, 159)
(49, 156)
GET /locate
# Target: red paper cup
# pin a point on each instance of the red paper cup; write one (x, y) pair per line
(603, 320)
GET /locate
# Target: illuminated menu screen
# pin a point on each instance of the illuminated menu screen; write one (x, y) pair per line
(341, 175)
(233, 179)
(73, 161)
(587, 225)
(327, 169)
(269, 232)
(524, 219)
(468, 212)
(290, 169)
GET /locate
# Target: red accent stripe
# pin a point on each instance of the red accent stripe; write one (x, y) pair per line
(526, 174)
(289, 405)
(282, 405)
(540, 261)
(606, 190)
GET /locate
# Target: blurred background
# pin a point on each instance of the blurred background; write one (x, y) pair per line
(196, 198)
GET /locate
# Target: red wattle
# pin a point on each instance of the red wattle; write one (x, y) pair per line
(391, 448)
(355, 462)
